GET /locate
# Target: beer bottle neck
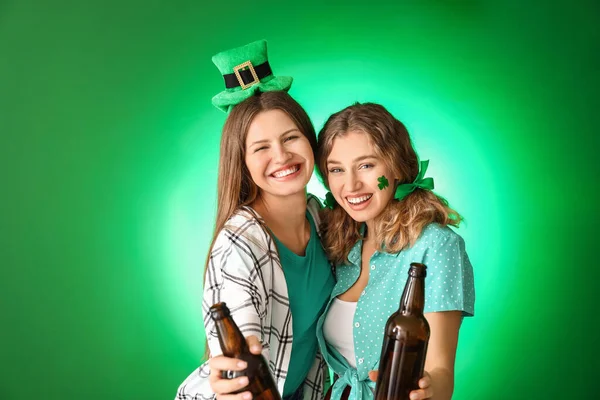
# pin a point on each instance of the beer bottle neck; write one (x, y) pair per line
(413, 297)
(231, 339)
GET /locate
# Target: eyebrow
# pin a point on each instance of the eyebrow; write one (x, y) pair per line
(357, 159)
(268, 140)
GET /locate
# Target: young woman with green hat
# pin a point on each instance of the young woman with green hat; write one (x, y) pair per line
(266, 260)
(382, 216)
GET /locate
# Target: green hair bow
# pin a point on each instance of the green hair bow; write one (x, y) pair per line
(405, 189)
(329, 201)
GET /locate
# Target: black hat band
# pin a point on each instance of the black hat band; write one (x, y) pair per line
(262, 71)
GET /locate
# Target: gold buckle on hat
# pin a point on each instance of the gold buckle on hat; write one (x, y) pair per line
(237, 69)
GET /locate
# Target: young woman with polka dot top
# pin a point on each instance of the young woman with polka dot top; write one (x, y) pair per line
(382, 215)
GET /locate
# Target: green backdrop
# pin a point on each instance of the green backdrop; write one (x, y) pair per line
(109, 148)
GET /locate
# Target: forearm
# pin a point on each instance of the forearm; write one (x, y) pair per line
(442, 381)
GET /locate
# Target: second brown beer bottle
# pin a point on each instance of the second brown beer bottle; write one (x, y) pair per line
(405, 341)
(233, 344)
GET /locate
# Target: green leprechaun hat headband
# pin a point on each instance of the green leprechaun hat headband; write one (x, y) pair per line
(246, 71)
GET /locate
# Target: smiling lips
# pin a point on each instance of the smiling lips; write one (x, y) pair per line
(359, 199)
(359, 202)
(286, 171)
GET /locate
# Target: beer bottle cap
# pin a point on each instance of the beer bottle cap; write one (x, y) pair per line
(219, 311)
(417, 270)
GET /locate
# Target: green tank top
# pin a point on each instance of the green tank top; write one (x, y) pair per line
(309, 282)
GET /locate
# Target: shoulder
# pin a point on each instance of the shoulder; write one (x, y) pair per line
(442, 247)
(314, 207)
(433, 239)
(434, 235)
(313, 204)
(243, 229)
(241, 247)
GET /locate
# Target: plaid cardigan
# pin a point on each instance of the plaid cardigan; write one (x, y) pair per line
(244, 270)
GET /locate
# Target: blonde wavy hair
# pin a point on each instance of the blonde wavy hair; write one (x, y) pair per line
(401, 222)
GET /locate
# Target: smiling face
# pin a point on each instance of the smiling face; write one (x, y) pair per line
(353, 172)
(278, 156)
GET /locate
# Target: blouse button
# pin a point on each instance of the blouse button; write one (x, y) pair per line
(360, 360)
(372, 266)
(357, 324)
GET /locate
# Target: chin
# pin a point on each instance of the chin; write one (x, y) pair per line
(361, 216)
(293, 191)
(358, 217)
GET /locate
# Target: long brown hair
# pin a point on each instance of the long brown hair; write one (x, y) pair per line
(235, 187)
(401, 222)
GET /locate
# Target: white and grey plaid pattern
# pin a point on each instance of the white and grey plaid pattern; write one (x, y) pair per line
(245, 272)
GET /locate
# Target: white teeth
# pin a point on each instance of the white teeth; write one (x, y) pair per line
(285, 172)
(358, 200)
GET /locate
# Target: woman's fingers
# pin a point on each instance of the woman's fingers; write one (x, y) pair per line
(425, 391)
(227, 386)
(421, 394)
(222, 386)
(373, 375)
(239, 396)
(222, 363)
(254, 344)
(425, 381)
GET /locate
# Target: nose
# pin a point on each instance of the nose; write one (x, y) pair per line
(280, 154)
(352, 182)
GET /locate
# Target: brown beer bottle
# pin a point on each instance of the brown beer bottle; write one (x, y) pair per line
(405, 341)
(233, 344)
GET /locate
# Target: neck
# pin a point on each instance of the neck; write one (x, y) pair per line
(285, 212)
(370, 233)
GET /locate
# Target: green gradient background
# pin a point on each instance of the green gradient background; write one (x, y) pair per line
(109, 148)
